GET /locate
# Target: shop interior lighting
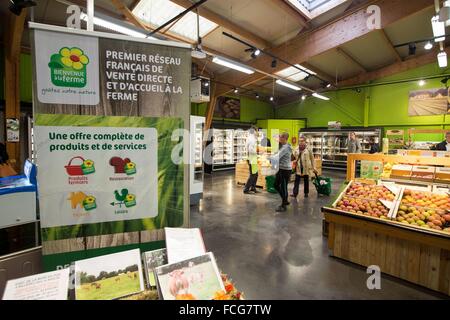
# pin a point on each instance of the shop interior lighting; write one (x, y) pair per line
(304, 97)
(438, 29)
(444, 13)
(114, 27)
(442, 59)
(274, 63)
(288, 85)
(422, 83)
(319, 96)
(294, 74)
(428, 45)
(412, 49)
(232, 65)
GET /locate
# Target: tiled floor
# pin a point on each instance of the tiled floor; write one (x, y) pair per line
(282, 256)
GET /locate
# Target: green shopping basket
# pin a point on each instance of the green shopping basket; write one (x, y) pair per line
(270, 184)
(323, 185)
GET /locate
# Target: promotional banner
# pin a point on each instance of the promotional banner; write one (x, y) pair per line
(107, 110)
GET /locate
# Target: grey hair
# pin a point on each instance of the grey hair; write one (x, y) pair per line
(285, 135)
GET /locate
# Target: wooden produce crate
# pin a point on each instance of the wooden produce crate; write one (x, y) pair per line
(242, 173)
(418, 256)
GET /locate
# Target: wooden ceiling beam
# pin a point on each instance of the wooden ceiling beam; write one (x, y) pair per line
(390, 46)
(320, 73)
(352, 59)
(121, 7)
(227, 24)
(392, 69)
(336, 33)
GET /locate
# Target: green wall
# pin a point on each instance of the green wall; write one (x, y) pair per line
(25, 75)
(346, 106)
(277, 126)
(251, 110)
(386, 105)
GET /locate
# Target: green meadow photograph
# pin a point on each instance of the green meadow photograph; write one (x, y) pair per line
(108, 277)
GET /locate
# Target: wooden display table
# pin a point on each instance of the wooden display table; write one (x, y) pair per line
(410, 254)
(242, 173)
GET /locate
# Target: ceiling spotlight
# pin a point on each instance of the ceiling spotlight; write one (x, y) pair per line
(304, 97)
(255, 52)
(412, 49)
(442, 59)
(307, 77)
(274, 63)
(206, 83)
(319, 96)
(438, 29)
(16, 6)
(422, 83)
(428, 46)
(444, 13)
(271, 99)
(326, 85)
(257, 96)
(236, 90)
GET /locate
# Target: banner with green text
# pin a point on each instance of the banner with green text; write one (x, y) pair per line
(106, 108)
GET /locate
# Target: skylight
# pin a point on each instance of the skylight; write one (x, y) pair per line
(158, 12)
(294, 74)
(314, 8)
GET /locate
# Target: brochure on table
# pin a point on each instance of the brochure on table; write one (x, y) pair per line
(153, 259)
(118, 275)
(183, 244)
(196, 278)
(52, 285)
(107, 109)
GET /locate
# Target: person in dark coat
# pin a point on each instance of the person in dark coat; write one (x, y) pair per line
(374, 147)
(3, 154)
(444, 145)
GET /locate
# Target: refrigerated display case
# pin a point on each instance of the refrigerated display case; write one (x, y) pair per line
(331, 145)
(196, 176)
(223, 149)
(240, 145)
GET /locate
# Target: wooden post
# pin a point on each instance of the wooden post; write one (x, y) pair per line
(13, 38)
(351, 166)
(210, 111)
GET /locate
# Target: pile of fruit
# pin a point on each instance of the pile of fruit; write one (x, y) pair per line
(366, 207)
(387, 170)
(425, 210)
(426, 199)
(366, 191)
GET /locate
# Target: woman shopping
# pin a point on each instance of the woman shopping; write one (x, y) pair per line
(305, 166)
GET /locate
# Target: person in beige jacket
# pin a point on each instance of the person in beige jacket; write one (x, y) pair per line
(305, 166)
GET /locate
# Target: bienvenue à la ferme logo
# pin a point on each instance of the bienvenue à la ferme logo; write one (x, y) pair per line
(68, 67)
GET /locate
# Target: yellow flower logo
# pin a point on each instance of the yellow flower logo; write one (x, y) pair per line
(130, 197)
(88, 163)
(73, 58)
(130, 165)
(89, 200)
